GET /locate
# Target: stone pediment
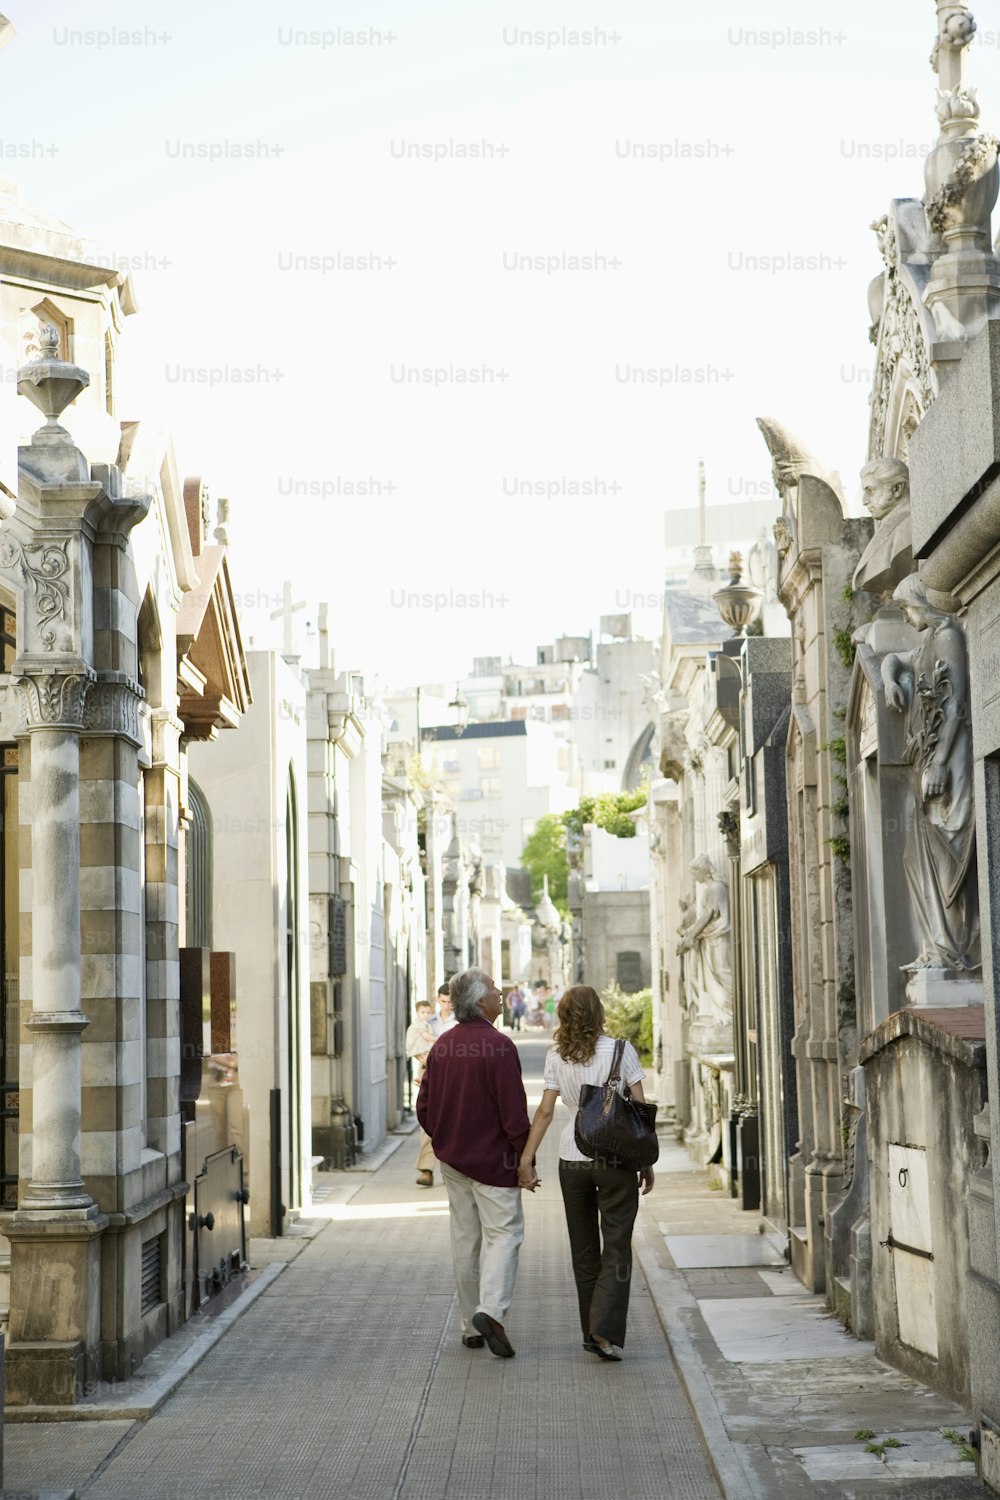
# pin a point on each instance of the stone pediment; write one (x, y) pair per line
(213, 681)
(149, 467)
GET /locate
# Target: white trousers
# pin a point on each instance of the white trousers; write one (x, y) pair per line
(487, 1227)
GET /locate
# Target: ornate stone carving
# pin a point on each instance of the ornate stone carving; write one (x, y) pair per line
(946, 208)
(113, 708)
(729, 827)
(784, 535)
(694, 758)
(706, 939)
(789, 458)
(888, 558)
(54, 701)
(45, 578)
(930, 684)
(900, 341)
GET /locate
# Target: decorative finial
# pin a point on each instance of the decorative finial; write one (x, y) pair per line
(222, 524)
(48, 342)
(957, 109)
(735, 567)
(51, 384)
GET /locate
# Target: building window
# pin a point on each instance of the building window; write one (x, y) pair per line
(628, 975)
(198, 858)
(489, 758)
(492, 786)
(609, 765)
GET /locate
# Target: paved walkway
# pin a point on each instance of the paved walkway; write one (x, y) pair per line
(782, 1391)
(346, 1378)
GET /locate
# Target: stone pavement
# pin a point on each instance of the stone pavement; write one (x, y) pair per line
(346, 1379)
(781, 1389)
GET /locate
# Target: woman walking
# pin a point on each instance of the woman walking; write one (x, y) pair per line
(601, 1201)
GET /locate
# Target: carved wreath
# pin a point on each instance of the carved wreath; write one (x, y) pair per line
(976, 159)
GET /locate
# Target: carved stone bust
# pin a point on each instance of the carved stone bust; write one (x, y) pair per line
(888, 558)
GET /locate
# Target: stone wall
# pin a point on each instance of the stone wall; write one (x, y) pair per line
(925, 1075)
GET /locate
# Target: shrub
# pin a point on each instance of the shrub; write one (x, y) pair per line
(630, 1017)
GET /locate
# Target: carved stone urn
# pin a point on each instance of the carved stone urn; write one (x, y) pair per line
(961, 173)
(738, 603)
(51, 384)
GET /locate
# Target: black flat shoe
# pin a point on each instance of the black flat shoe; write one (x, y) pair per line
(591, 1347)
(612, 1352)
(473, 1341)
(494, 1335)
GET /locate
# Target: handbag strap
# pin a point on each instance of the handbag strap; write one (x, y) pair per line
(615, 1076)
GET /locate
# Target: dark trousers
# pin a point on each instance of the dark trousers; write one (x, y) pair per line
(601, 1204)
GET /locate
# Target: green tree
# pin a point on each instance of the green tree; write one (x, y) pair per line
(609, 810)
(545, 854)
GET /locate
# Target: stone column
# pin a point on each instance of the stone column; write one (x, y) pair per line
(53, 709)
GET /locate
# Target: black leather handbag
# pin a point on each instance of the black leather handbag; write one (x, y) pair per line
(614, 1128)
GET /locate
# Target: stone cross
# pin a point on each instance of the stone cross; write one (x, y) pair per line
(285, 613)
(956, 29)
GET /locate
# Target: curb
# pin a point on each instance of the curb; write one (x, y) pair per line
(162, 1389)
(670, 1293)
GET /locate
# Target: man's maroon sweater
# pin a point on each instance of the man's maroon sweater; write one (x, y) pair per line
(471, 1103)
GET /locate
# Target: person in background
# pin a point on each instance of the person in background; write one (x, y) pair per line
(419, 1041)
(601, 1201)
(473, 1107)
(445, 1018)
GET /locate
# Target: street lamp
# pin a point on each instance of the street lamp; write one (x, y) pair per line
(461, 707)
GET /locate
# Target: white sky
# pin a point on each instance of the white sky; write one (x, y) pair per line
(806, 145)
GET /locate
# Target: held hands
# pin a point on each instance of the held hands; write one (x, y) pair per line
(527, 1177)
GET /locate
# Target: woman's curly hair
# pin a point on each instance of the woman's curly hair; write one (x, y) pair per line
(581, 1022)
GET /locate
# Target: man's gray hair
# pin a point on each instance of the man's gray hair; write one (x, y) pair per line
(467, 989)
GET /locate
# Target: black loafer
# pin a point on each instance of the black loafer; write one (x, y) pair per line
(473, 1341)
(494, 1335)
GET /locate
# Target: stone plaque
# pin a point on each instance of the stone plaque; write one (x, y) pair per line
(867, 724)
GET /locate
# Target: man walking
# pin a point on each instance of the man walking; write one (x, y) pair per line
(472, 1105)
